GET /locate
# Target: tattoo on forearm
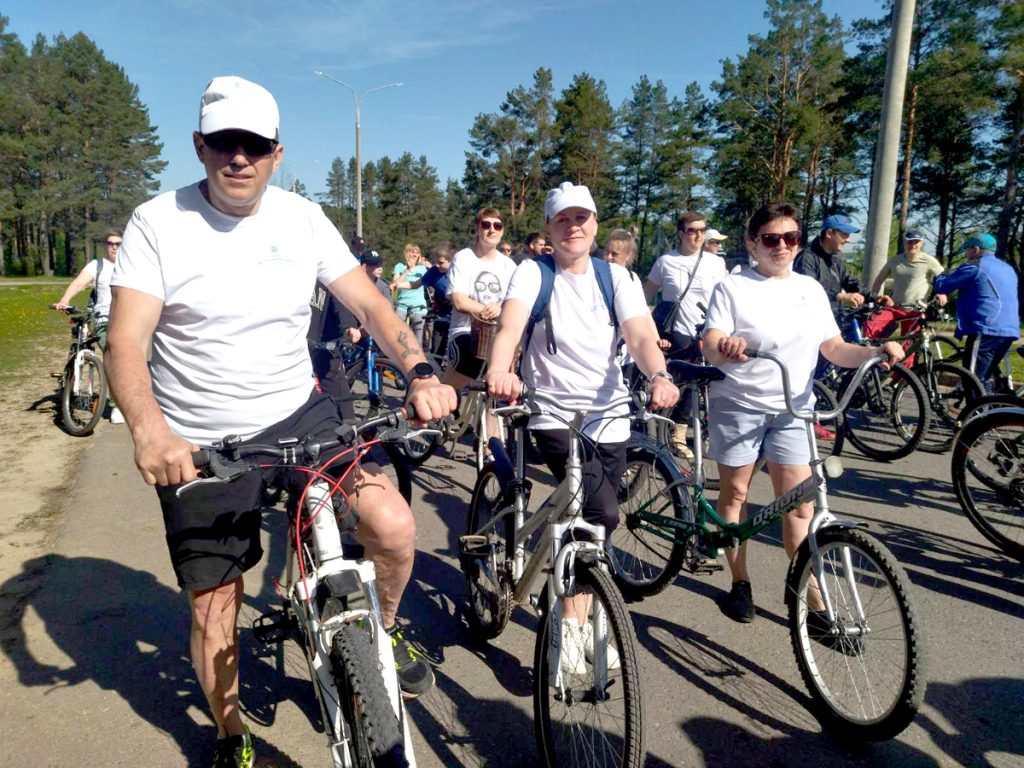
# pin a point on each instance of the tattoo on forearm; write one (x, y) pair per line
(409, 347)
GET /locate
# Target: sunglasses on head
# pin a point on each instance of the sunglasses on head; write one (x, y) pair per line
(497, 226)
(229, 141)
(772, 239)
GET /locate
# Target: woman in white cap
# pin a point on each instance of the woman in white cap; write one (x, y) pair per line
(571, 355)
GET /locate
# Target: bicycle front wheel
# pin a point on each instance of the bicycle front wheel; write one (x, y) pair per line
(83, 397)
(375, 735)
(578, 719)
(483, 557)
(988, 477)
(889, 414)
(865, 673)
(952, 389)
(652, 493)
(393, 390)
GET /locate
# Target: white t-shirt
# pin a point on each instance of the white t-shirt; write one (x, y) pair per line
(583, 370)
(483, 281)
(229, 350)
(102, 306)
(790, 317)
(671, 273)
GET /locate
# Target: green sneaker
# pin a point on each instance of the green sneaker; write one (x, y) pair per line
(234, 752)
(415, 677)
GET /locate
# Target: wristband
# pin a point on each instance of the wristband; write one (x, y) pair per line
(663, 374)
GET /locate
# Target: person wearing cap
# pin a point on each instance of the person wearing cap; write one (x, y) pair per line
(96, 274)
(912, 272)
(823, 260)
(216, 278)
(687, 275)
(986, 308)
(580, 367)
(713, 240)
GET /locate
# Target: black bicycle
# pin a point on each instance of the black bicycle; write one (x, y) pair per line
(83, 384)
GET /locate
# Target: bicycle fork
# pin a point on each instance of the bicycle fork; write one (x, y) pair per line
(334, 576)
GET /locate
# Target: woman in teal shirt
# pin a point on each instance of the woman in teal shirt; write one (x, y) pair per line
(411, 302)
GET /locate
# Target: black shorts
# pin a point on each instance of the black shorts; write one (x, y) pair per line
(603, 466)
(213, 531)
(462, 357)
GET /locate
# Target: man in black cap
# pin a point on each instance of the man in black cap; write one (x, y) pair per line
(912, 273)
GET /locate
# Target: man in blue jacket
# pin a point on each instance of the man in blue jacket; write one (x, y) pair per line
(986, 307)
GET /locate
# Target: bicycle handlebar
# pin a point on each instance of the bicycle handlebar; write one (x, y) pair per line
(815, 416)
(530, 398)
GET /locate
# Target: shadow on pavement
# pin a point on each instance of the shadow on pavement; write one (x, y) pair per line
(127, 633)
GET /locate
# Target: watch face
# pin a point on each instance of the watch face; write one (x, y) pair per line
(422, 371)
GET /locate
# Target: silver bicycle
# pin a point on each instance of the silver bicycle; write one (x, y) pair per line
(587, 694)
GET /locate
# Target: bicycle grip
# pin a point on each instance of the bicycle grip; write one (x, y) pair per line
(201, 458)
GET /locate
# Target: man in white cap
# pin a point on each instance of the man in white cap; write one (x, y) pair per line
(713, 240)
(216, 276)
(912, 273)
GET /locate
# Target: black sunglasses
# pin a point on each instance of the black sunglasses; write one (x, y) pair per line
(228, 142)
(497, 226)
(772, 240)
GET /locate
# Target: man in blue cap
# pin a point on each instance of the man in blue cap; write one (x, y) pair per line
(912, 272)
(823, 261)
(986, 308)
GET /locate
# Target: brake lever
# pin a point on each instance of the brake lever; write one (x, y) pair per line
(223, 473)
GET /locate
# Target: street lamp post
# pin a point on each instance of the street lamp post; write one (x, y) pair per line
(359, 159)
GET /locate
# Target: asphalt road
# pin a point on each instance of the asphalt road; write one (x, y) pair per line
(99, 672)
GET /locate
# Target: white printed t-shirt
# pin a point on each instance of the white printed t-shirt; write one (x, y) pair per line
(482, 280)
(671, 272)
(229, 350)
(102, 306)
(790, 317)
(583, 370)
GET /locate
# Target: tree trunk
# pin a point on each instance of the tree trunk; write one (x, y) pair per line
(1006, 211)
(908, 154)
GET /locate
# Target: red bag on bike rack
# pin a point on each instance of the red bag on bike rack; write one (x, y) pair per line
(886, 321)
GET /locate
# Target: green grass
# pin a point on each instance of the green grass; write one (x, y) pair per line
(29, 329)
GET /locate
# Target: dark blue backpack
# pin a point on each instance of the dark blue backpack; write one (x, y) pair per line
(541, 307)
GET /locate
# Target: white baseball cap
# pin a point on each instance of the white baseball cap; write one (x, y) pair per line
(234, 103)
(714, 234)
(567, 195)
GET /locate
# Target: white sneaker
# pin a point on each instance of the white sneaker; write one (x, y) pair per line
(587, 630)
(116, 417)
(573, 653)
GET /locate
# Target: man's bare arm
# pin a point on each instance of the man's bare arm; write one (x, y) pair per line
(162, 457)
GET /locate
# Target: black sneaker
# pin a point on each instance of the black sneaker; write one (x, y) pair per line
(415, 677)
(738, 605)
(819, 630)
(234, 752)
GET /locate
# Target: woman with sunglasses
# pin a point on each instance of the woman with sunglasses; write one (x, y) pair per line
(477, 282)
(769, 307)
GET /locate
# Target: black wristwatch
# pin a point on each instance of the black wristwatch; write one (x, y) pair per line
(421, 371)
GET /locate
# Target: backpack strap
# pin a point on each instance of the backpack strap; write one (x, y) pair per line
(542, 305)
(94, 296)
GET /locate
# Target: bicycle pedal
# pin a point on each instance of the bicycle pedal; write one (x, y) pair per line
(274, 627)
(705, 566)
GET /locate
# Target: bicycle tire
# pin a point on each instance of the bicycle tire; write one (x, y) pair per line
(644, 564)
(393, 391)
(989, 403)
(946, 348)
(951, 391)
(889, 414)
(867, 682)
(81, 411)
(375, 735)
(577, 726)
(988, 477)
(488, 585)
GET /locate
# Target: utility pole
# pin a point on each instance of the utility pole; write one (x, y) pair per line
(883, 192)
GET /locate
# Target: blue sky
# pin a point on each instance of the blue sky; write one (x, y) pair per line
(456, 60)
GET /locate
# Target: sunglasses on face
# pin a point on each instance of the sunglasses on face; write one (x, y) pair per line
(694, 231)
(497, 226)
(772, 239)
(112, 244)
(228, 142)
